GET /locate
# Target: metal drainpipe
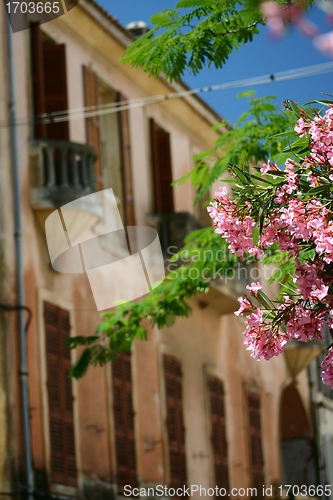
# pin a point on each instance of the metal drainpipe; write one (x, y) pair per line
(20, 275)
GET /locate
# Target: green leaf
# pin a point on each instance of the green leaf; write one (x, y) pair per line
(247, 93)
(264, 300)
(81, 366)
(318, 190)
(186, 4)
(162, 19)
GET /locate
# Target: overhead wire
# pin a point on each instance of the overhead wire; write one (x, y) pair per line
(116, 107)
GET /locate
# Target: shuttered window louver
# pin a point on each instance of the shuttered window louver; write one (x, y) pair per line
(124, 421)
(37, 80)
(162, 171)
(126, 177)
(218, 432)
(93, 132)
(175, 423)
(49, 79)
(255, 441)
(60, 396)
(55, 88)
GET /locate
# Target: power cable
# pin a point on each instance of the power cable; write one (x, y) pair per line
(109, 108)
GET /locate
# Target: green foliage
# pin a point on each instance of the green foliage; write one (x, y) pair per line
(250, 139)
(208, 33)
(196, 33)
(162, 306)
(260, 191)
(193, 34)
(255, 138)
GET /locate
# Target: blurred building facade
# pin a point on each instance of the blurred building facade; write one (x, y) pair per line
(187, 407)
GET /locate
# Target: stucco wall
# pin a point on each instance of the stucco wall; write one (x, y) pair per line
(205, 341)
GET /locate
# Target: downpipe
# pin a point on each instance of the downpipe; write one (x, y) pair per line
(23, 373)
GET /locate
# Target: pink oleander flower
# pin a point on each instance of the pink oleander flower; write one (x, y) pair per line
(301, 128)
(276, 17)
(254, 287)
(296, 221)
(324, 43)
(260, 338)
(310, 284)
(268, 166)
(327, 366)
(305, 325)
(312, 179)
(330, 319)
(236, 231)
(245, 305)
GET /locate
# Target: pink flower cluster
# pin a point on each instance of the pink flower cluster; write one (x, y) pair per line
(309, 282)
(277, 17)
(295, 219)
(236, 230)
(261, 338)
(305, 325)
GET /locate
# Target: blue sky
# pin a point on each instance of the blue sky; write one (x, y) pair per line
(262, 56)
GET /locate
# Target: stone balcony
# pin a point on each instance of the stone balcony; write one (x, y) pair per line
(60, 172)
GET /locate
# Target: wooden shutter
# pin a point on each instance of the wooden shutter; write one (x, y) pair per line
(218, 432)
(255, 441)
(162, 172)
(124, 421)
(60, 397)
(175, 423)
(127, 182)
(93, 131)
(55, 87)
(37, 80)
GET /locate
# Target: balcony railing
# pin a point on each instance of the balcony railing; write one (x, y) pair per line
(61, 171)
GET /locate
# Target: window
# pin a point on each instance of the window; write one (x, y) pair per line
(162, 171)
(109, 134)
(124, 421)
(60, 397)
(93, 132)
(218, 432)
(175, 425)
(255, 442)
(49, 84)
(128, 199)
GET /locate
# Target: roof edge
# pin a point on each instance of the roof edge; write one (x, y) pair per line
(111, 24)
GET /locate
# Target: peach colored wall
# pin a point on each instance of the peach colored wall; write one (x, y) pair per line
(204, 339)
(92, 402)
(217, 342)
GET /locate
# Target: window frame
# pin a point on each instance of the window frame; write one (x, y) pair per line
(111, 420)
(209, 371)
(54, 299)
(166, 350)
(254, 390)
(122, 383)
